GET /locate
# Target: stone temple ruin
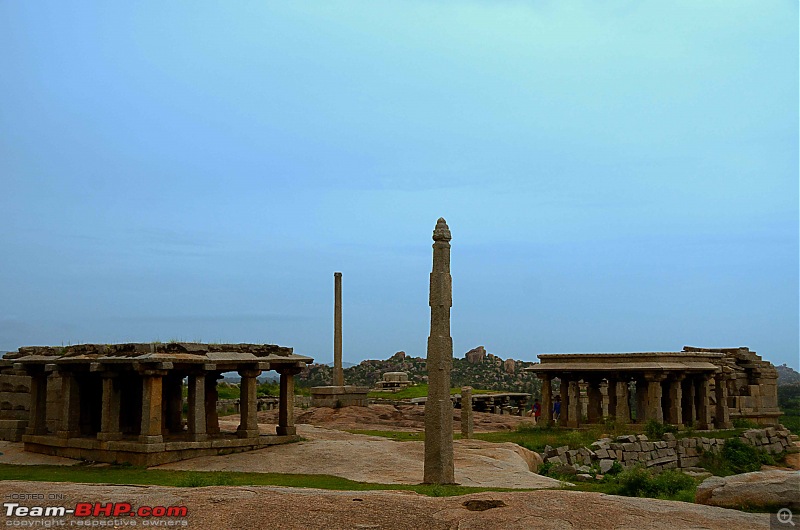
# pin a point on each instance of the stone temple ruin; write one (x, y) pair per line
(124, 402)
(704, 387)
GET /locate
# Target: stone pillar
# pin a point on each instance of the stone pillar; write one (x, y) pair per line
(689, 409)
(574, 404)
(109, 415)
(338, 372)
(152, 396)
(173, 403)
(722, 413)
(248, 423)
(622, 411)
(604, 405)
(196, 418)
(611, 395)
(286, 401)
(547, 401)
(654, 394)
(439, 467)
(583, 391)
(37, 418)
(641, 401)
(70, 406)
(466, 412)
(212, 395)
(675, 414)
(563, 391)
(596, 401)
(702, 401)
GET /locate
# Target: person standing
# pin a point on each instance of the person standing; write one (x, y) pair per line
(536, 411)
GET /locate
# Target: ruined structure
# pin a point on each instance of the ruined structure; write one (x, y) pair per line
(393, 381)
(339, 394)
(439, 467)
(703, 387)
(124, 402)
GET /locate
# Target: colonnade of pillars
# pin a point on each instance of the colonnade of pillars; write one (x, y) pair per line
(161, 404)
(674, 398)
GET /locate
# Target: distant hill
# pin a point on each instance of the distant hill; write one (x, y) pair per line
(787, 375)
(477, 369)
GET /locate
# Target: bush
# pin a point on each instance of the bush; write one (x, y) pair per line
(741, 457)
(545, 468)
(744, 423)
(655, 429)
(670, 484)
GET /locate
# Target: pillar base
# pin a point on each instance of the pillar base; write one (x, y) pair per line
(145, 439)
(247, 433)
(284, 431)
(109, 436)
(198, 437)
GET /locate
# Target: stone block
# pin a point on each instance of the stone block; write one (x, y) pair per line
(641, 437)
(669, 437)
(626, 438)
(601, 453)
(660, 445)
(606, 465)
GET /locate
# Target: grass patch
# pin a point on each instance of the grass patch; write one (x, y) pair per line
(191, 479)
(397, 435)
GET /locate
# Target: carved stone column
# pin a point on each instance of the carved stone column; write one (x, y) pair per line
(70, 406)
(109, 414)
(152, 397)
(574, 404)
(722, 413)
(605, 400)
(564, 393)
(211, 397)
(675, 415)
(547, 401)
(622, 411)
(196, 418)
(654, 394)
(37, 422)
(703, 401)
(466, 412)
(286, 401)
(248, 424)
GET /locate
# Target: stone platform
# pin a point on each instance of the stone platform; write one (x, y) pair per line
(339, 396)
(138, 453)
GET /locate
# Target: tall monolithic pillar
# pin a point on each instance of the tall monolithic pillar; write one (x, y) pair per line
(676, 400)
(654, 411)
(574, 404)
(703, 401)
(338, 372)
(563, 393)
(622, 411)
(439, 467)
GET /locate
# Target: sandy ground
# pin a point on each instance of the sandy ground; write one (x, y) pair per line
(224, 507)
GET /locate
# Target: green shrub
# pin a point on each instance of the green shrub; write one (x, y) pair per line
(744, 423)
(545, 468)
(669, 484)
(655, 429)
(741, 457)
(616, 468)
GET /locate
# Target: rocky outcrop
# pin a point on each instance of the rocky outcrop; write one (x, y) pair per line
(758, 490)
(475, 355)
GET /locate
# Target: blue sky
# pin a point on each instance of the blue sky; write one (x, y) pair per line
(617, 176)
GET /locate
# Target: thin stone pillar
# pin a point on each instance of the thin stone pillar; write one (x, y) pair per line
(622, 411)
(610, 399)
(248, 423)
(439, 467)
(286, 402)
(150, 431)
(70, 406)
(109, 414)
(547, 401)
(675, 413)
(595, 401)
(466, 412)
(583, 390)
(212, 396)
(574, 404)
(722, 413)
(702, 400)
(338, 372)
(654, 393)
(563, 390)
(196, 418)
(37, 422)
(605, 399)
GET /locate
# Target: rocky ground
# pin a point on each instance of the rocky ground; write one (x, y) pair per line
(219, 507)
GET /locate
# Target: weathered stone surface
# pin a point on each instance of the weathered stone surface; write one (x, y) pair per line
(606, 465)
(439, 467)
(760, 489)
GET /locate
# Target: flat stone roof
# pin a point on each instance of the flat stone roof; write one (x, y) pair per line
(627, 362)
(164, 355)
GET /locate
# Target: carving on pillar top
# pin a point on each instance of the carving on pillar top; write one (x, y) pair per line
(442, 231)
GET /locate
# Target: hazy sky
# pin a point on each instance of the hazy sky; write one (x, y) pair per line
(617, 176)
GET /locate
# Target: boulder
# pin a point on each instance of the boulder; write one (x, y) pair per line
(760, 489)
